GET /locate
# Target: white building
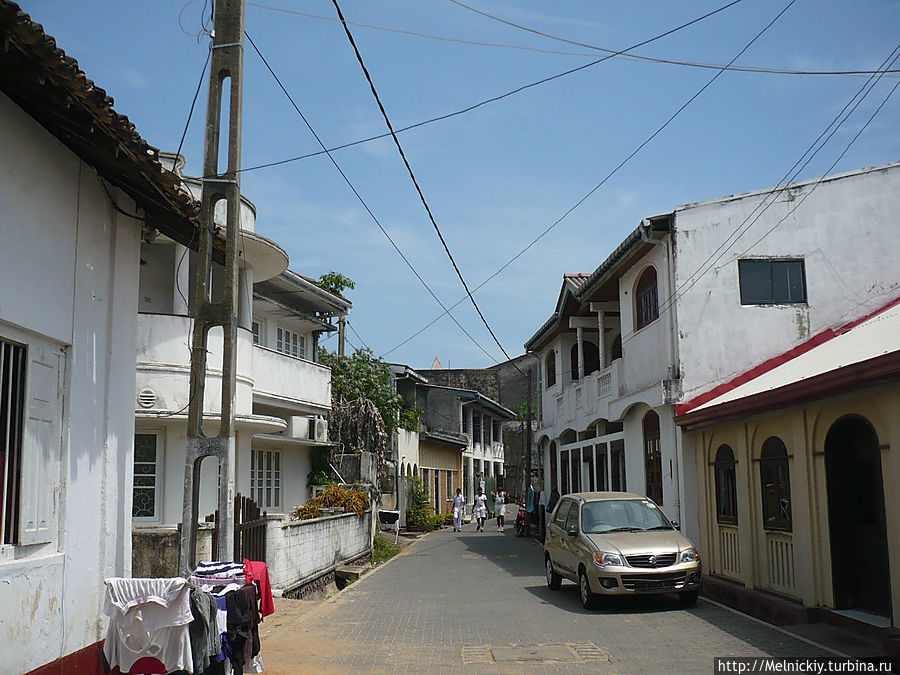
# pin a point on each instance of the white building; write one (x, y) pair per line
(283, 394)
(78, 186)
(677, 319)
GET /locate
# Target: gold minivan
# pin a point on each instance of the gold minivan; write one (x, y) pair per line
(618, 543)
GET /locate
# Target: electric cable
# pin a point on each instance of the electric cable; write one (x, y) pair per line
(415, 181)
(363, 202)
(357, 334)
(487, 101)
(626, 57)
(609, 175)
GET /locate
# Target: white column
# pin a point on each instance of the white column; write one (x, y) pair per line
(470, 475)
(245, 297)
(579, 336)
(601, 342)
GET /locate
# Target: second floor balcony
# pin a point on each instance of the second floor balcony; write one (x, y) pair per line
(491, 450)
(580, 402)
(280, 378)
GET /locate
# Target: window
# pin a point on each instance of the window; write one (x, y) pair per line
(257, 333)
(12, 409)
(562, 512)
(775, 478)
(476, 427)
(145, 493)
(591, 357)
(653, 457)
(550, 368)
(646, 298)
(726, 494)
(289, 342)
(617, 465)
(772, 282)
(265, 478)
(572, 518)
(573, 359)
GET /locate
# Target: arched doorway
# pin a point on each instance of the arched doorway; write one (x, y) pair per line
(856, 520)
(652, 458)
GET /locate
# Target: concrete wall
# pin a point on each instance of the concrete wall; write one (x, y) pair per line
(299, 551)
(74, 262)
(477, 379)
(843, 231)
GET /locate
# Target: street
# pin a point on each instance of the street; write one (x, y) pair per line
(478, 602)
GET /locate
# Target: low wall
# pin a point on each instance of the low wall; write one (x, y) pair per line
(300, 551)
(154, 549)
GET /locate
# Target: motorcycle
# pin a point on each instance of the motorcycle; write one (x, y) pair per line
(521, 521)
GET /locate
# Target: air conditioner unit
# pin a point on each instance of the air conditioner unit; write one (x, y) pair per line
(321, 429)
(298, 427)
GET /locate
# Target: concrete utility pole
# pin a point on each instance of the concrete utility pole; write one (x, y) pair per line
(342, 334)
(528, 444)
(218, 309)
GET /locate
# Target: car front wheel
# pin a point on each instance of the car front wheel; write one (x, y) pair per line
(554, 581)
(688, 598)
(588, 597)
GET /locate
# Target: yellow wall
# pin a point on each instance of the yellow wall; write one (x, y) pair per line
(443, 458)
(803, 430)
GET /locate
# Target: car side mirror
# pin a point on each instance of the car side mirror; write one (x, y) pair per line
(572, 531)
(676, 525)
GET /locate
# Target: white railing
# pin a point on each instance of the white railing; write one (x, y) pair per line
(290, 378)
(589, 397)
(780, 561)
(729, 551)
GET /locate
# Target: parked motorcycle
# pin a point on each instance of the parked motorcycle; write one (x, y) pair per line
(521, 522)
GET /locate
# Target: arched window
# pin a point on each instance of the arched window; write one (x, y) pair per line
(646, 299)
(591, 357)
(574, 361)
(726, 483)
(653, 457)
(550, 367)
(775, 478)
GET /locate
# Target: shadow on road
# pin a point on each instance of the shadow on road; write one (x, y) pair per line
(566, 598)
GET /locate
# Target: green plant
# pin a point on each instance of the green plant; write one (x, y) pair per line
(336, 282)
(437, 521)
(418, 507)
(383, 549)
(352, 500)
(321, 471)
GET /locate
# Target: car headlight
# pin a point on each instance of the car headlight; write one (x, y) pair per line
(689, 555)
(603, 559)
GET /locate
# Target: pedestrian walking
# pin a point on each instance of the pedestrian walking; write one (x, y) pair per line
(480, 510)
(500, 508)
(459, 504)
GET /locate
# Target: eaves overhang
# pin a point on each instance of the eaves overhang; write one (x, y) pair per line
(51, 88)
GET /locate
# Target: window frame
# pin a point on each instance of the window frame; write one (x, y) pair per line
(257, 330)
(273, 482)
(644, 314)
(774, 457)
(12, 428)
(725, 475)
(744, 272)
(157, 487)
(550, 368)
(290, 342)
(559, 518)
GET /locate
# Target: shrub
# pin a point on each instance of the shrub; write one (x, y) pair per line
(418, 508)
(352, 500)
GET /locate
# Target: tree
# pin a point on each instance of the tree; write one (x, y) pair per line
(364, 376)
(336, 282)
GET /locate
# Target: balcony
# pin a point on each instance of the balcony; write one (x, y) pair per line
(580, 402)
(164, 365)
(492, 451)
(280, 378)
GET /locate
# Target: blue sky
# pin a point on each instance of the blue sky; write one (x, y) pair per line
(497, 176)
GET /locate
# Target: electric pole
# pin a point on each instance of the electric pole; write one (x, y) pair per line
(342, 334)
(528, 443)
(220, 308)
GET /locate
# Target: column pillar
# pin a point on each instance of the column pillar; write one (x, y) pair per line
(579, 335)
(245, 297)
(601, 342)
(470, 476)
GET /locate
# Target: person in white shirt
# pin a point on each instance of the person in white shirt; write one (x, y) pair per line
(480, 510)
(459, 504)
(500, 508)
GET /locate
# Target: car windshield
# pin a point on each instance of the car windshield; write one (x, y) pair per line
(622, 515)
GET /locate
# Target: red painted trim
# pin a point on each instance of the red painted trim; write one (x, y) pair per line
(775, 361)
(877, 370)
(86, 661)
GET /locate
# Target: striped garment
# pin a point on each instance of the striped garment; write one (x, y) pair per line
(219, 569)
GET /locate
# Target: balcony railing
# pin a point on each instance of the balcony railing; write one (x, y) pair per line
(585, 399)
(283, 377)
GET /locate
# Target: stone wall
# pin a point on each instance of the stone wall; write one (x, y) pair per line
(481, 380)
(301, 551)
(154, 550)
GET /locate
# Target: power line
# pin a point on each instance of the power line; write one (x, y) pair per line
(626, 57)
(356, 334)
(786, 179)
(640, 147)
(487, 101)
(363, 202)
(415, 181)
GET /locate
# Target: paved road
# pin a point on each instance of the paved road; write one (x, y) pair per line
(467, 602)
